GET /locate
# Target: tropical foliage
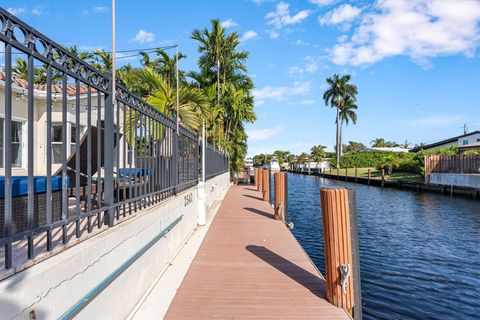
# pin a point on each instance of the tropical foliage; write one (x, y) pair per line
(219, 94)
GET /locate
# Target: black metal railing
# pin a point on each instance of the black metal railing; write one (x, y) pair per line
(70, 156)
(216, 162)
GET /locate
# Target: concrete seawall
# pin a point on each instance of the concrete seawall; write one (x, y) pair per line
(456, 179)
(53, 286)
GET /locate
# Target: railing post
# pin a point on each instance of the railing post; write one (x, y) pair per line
(202, 216)
(266, 185)
(281, 196)
(341, 253)
(108, 158)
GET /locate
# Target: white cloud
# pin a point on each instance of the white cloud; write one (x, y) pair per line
(281, 16)
(273, 34)
(340, 15)
(322, 3)
(280, 93)
(248, 35)
(37, 11)
(143, 36)
(229, 23)
(419, 29)
(17, 11)
(100, 9)
(262, 134)
(300, 42)
(311, 65)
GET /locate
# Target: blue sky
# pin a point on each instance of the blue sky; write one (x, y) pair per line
(416, 63)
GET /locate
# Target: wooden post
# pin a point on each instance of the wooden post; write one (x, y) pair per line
(341, 254)
(338, 173)
(266, 185)
(369, 175)
(356, 174)
(330, 171)
(260, 180)
(281, 190)
(346, 174)
(383, 176)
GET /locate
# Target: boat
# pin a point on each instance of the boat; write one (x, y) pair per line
(274, 166)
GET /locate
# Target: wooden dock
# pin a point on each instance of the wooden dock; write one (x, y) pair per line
(251, 266)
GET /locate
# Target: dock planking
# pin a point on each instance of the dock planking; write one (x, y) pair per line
(251, 266)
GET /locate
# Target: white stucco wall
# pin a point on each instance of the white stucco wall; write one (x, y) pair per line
(56, 284)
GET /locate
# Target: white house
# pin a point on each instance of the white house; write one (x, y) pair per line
(19, 144)
(465, 141)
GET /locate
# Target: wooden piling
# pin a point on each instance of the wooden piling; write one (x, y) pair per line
(266, 185)
(369, 175)
(281, 191)
(260, 180)
(338, 248)
(338, 172)
(346, 174)
(356, 174)
(383, 176)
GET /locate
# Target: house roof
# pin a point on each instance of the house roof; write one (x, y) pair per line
(439, 143)
(71, 88)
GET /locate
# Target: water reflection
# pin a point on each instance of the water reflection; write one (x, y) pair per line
(419, 252)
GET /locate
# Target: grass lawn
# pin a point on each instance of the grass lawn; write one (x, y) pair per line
(376, 174)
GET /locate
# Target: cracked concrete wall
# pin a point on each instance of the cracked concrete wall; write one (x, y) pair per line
(56, 284)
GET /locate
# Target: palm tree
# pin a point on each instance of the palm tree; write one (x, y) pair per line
(303, 158)
(103, 61)
(85, 56)
(378, 143)
(317, 153)
(346, 114)
(334, 96)
(212, 46)
(21, 69)
(191, 100)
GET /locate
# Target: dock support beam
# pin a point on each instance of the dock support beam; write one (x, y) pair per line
(341, 249)
(281, 191)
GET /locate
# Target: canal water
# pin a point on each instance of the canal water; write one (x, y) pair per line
(419, 252)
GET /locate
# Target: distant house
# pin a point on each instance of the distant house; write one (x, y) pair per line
(463, 142)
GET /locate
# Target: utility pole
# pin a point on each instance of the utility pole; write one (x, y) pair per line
(113, 56)
(176, 74)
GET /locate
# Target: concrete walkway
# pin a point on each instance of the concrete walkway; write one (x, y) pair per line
(250, 266)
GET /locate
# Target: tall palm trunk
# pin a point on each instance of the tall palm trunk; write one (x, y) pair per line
(338, 138)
